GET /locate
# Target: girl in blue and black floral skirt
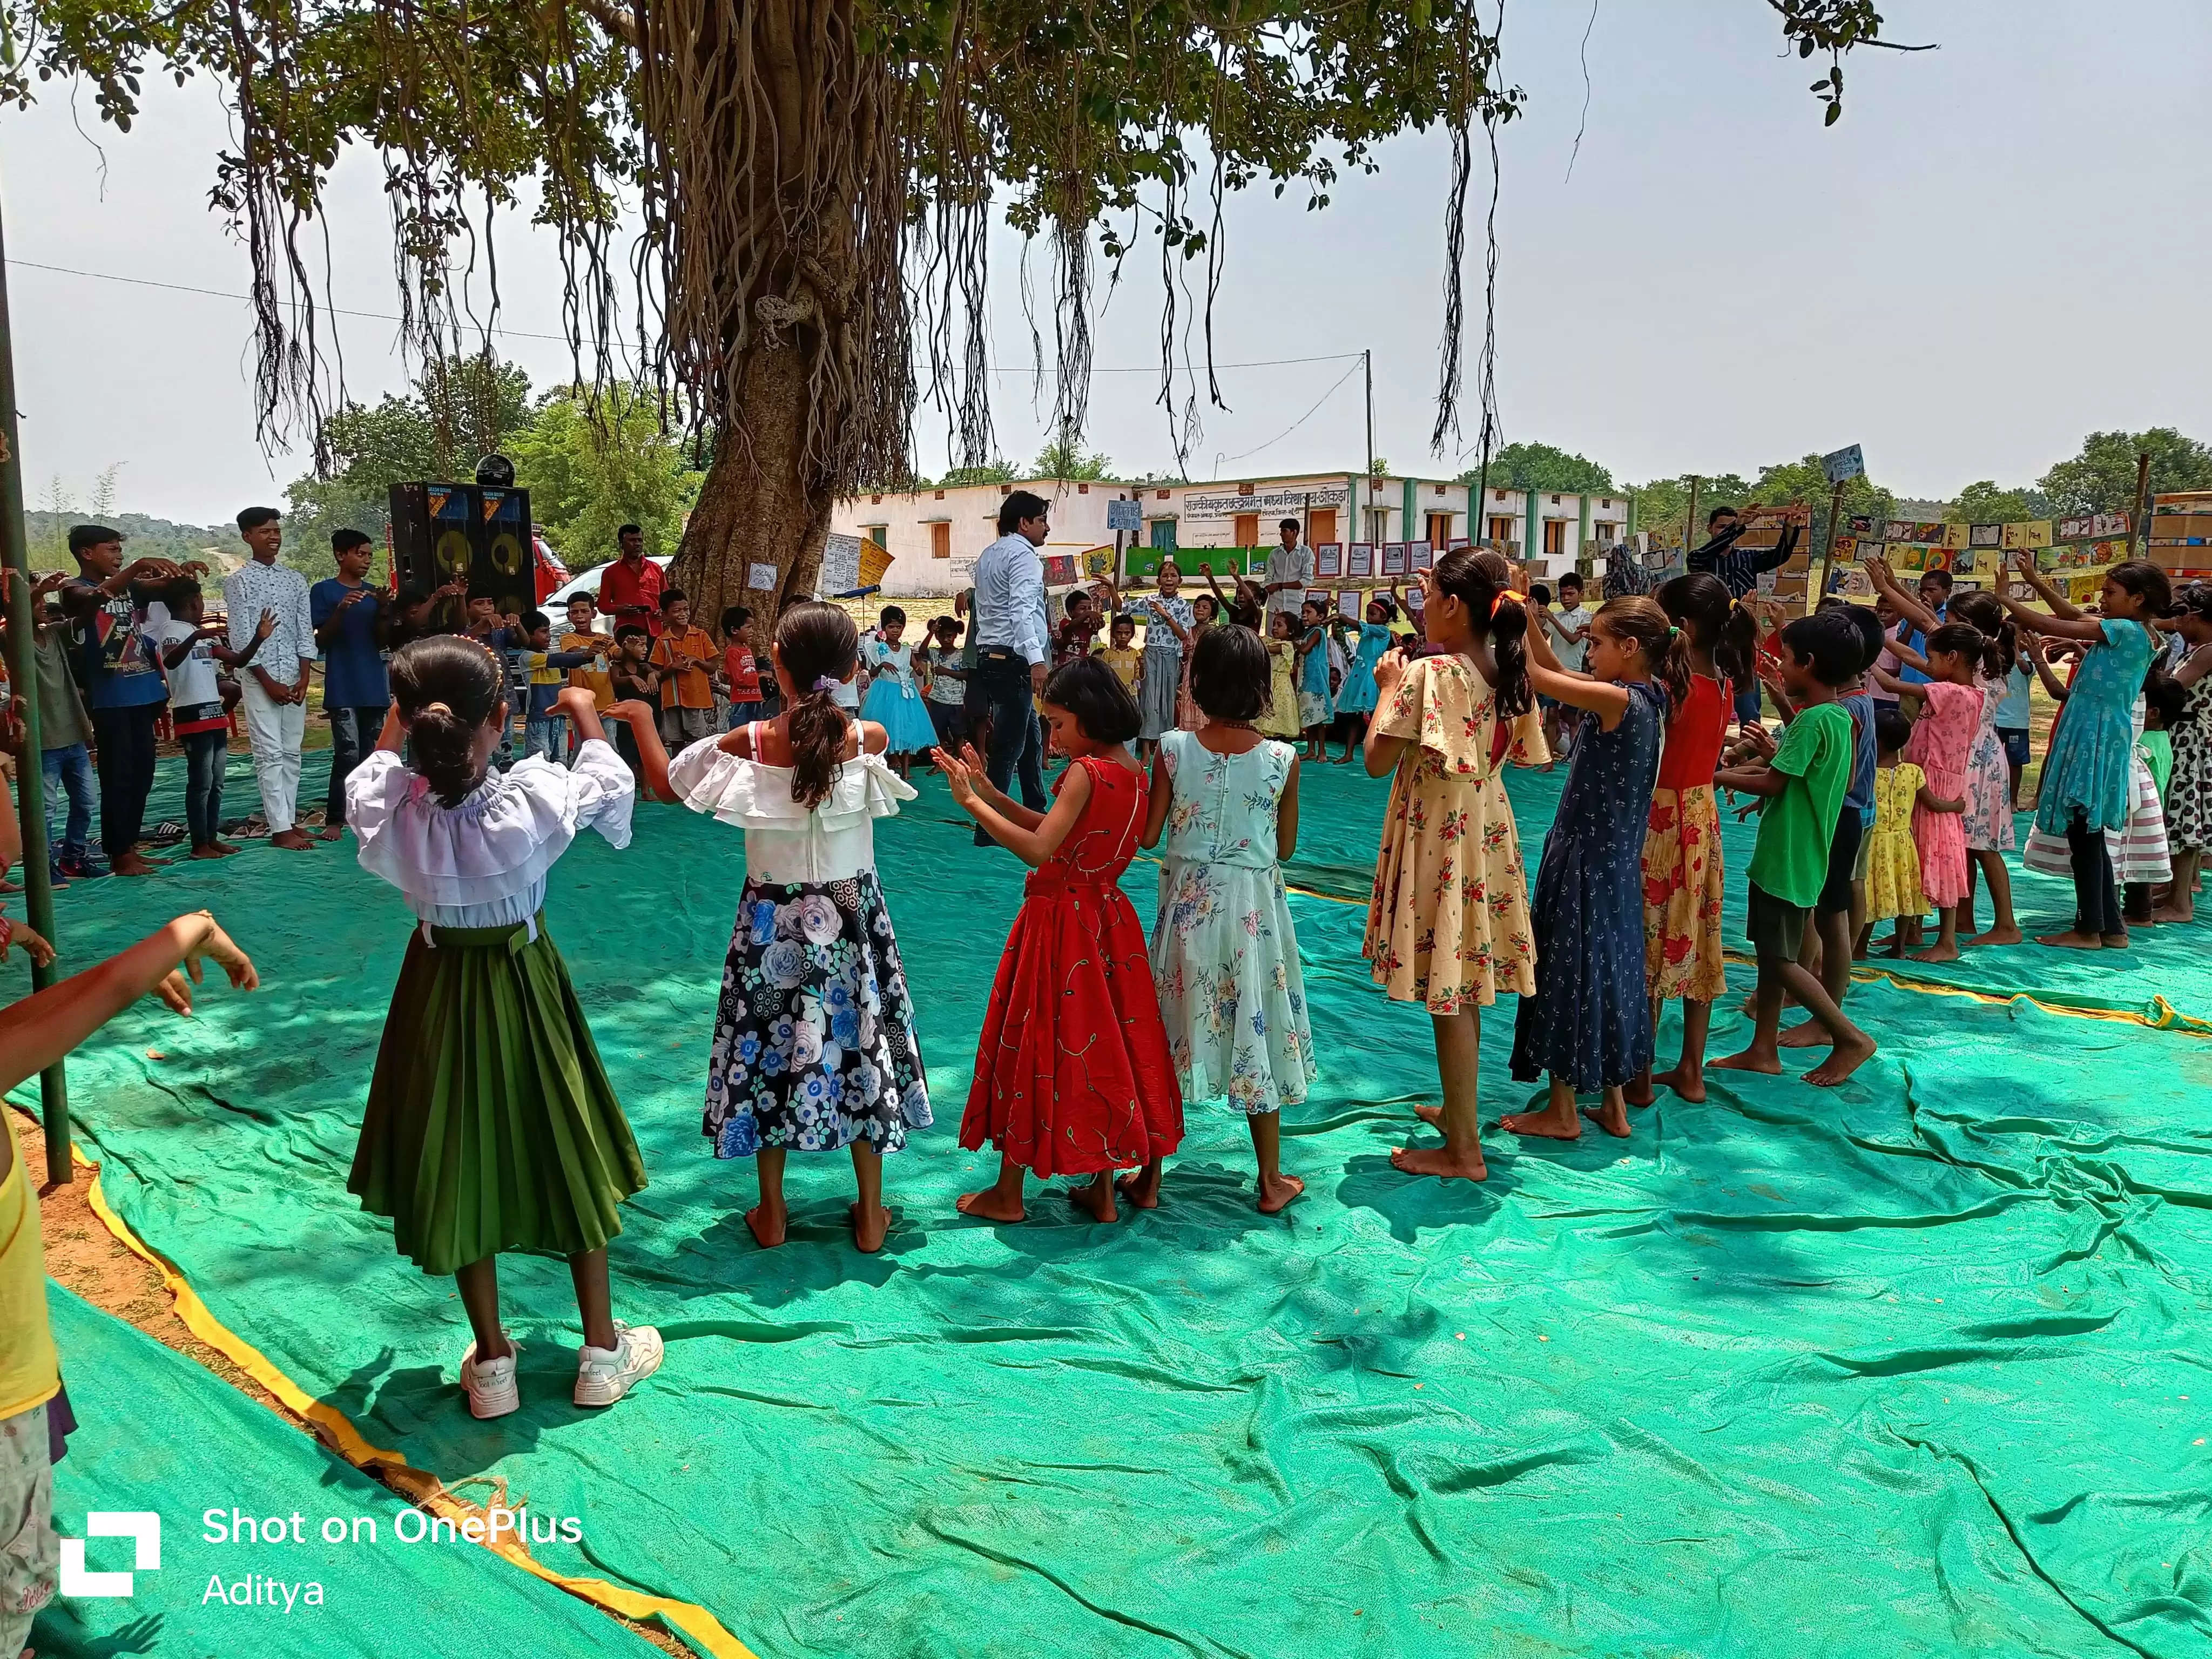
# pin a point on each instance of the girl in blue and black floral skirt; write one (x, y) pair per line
(814, 1042)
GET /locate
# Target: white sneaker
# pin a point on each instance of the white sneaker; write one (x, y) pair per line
(604, 1374)
(490, 1383)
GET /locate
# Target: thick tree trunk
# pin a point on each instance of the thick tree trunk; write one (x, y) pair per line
(756, 509)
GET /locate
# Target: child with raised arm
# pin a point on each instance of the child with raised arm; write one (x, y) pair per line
(814, 1042)
(1224, 955)
(2088, 777)
(35, 1033)
(1893, 878)
(188, 649)
(1355, 698)
(1804, 783)
(1072, 1072)
(1448, 922)
(1588, 1024)
(945, 689)
(894, 701)
(1314, 711)
(491, 1124)
(1949, 708)
(1684, 877)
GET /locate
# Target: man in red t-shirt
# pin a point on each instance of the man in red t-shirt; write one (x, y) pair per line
(630, 591)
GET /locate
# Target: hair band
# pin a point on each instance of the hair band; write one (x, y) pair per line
(1501, 596)
(437, 708)
(827, 683)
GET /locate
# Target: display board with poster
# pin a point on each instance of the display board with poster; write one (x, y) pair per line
(2180, 542)
(1393, 559)
(1359, 561)
(1351, 602)
(1327, 561)
(1763, 530)
(1423, 556)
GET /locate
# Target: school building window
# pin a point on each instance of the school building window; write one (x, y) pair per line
(1606, 531)
(1323, 527)
(1248, 530)
(940, 540)
(1503, 528)
(1555, 536)
(1440, 531)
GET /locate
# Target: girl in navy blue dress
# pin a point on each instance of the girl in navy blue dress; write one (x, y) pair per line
(1590, 1022)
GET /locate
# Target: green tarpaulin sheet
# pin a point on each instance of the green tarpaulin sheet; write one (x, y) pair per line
(1912, 1366)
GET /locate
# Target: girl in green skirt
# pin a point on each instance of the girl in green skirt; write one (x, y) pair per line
(491, 1124)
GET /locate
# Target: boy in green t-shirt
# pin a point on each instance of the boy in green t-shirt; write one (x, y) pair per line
(1804, 785)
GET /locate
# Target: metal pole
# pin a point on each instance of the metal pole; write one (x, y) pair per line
(1827, 552)
(1690, 523)
(23, 678)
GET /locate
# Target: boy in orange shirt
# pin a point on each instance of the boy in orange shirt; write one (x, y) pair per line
(741, 674)
(686, 655)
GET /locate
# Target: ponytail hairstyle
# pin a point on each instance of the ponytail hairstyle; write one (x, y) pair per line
(1465, 575)
(2000, 640)
(1494, 565)
(817, 646)
(1666, 648)
(1960, 639)
(1700, 605)
(448, 688)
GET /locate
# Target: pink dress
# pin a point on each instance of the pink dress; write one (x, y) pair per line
(1942, 740)
(1989, 782)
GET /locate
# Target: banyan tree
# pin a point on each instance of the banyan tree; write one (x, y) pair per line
(775, 214)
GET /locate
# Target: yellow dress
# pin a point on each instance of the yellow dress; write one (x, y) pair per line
(1448, 919)
(1124, 664)
(1893, 878)
(1280, 719)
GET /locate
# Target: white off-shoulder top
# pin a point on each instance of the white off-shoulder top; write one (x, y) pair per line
(485, 862)
(786, 843)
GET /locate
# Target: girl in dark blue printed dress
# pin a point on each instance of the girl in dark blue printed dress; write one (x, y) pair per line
(814, 1043)
(1590, 1022)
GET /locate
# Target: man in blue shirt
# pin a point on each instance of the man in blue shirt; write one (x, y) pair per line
(352, 625)
(124, 691)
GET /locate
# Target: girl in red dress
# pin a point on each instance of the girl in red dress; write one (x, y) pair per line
(1073, 1074)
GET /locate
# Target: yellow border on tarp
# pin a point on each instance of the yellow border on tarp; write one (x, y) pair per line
(419, 1487)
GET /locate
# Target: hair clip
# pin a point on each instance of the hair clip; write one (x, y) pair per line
(827, 683)
(437, 708)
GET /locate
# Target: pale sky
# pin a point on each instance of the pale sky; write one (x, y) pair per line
(2002, 246)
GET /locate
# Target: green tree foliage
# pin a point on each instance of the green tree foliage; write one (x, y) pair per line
(1001, 471)
(1663, 505)
(2102, 477)
(1065, 459)
(590, 470)
(458, 410)
(1985, 502)
(1543, 466)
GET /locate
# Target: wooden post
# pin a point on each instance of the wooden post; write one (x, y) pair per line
(1690, 524)
(2139, 531)
(1828, 550)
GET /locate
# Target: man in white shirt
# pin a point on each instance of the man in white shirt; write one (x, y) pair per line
(1289, 573)
(276, 682)
(1013, 647)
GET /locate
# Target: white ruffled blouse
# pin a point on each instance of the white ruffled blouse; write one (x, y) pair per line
(485, 862)
(786, 843)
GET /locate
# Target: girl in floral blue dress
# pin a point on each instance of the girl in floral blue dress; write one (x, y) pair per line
(1224, 955)
(814, 1042)
(1589, 1024)
(1356, 696)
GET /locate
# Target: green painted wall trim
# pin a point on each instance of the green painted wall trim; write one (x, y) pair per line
(1532, 543)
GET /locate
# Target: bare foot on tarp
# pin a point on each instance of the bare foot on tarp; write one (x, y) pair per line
(1937, 953)
(1095, 1199)
(989, 1205)
(767, 1228)
(1610, 1114)
(1686, 1084)
(1276, 1193)
(1810, 1034)
(1140, 1187)
(1431, 1115)
(2072, 939)
(1996, 936)
(869, 1230)
(1546, 1123)
(1751, 1060)
(1439, 1161)
(1842, 1060)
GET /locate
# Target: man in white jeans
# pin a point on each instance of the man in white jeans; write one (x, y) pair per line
(276, 701)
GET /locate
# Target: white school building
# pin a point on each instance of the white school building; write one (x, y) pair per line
(933, 536)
